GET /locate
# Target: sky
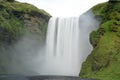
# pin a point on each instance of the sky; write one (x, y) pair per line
(64, 8)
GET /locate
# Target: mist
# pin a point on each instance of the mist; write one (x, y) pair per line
(88, 23)
(24, 55)
(30, 57)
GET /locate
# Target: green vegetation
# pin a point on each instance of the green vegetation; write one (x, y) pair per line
(14, 17)
(16, 20)
(9, 28)
(104, 61)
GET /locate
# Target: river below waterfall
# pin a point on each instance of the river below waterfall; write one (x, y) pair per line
(18, 77)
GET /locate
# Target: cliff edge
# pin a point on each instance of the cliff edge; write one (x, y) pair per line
(18, 20)
(104, 61)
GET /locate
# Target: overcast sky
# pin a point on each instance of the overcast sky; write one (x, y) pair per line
(64, 8)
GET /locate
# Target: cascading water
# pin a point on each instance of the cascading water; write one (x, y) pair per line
(63, 46)
(67, 44)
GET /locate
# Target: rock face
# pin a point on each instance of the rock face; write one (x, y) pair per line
(104, 61)
(16, 20)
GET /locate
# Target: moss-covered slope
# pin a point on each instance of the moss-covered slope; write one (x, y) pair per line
(104, 61)
(16, 20)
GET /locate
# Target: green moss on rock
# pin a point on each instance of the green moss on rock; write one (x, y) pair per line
(15, 17)
(104, 61)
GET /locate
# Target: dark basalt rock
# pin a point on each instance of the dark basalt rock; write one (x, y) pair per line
(10, 0)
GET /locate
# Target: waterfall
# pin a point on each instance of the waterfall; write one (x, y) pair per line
(67, 44)
(63, 46)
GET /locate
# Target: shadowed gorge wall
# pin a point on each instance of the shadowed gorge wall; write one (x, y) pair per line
(103, 62)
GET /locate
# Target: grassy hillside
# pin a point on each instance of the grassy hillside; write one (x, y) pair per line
(16, 20)
(104, 61)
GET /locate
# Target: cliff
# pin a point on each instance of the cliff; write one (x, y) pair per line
(16, 20)
(104, 61)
